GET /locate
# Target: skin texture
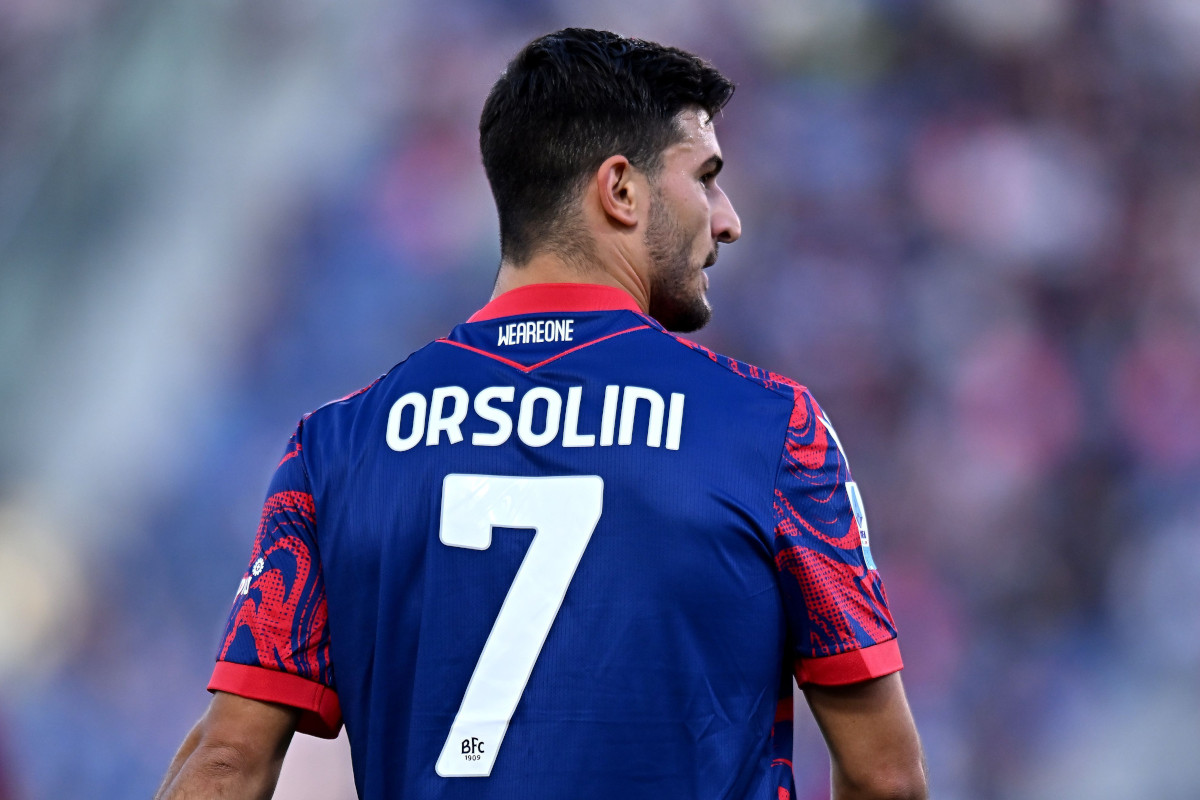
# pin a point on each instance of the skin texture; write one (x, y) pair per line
(652, 237)
(874, 750)
(675, 300)
(680, 215)
(235, 751)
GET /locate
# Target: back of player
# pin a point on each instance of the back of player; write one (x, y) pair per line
(560, 553)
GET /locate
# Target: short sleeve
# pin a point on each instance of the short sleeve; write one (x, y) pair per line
(276, 643)
(840, 627)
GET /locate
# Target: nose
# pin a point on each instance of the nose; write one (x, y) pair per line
(726, 227)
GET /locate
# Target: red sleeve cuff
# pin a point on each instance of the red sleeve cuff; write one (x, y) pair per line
(322, 715)
(851, 667)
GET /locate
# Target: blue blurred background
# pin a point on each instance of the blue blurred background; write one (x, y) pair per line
(972, 227)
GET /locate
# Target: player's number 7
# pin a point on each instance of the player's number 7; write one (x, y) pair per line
(563, 511)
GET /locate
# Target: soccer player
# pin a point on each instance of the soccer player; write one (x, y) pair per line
(562, 552)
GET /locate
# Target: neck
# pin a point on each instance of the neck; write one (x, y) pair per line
(614, 270)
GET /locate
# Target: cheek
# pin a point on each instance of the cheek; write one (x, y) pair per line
(704, 225)
(699, 213)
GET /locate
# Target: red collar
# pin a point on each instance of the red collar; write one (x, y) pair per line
(556, 297)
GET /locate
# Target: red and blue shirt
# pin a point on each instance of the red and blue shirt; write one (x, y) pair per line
(561, 553)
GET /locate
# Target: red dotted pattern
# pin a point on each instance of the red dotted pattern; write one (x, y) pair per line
(790, 523)
(287, 623)
(833, 599)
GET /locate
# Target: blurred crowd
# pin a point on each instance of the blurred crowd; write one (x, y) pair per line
(972, 228)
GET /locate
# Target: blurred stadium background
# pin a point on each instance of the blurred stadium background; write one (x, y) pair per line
(972, 227)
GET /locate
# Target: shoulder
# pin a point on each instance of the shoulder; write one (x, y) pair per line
(809, 440)
(348, 401)
(351, 404)
(773, 382)
(330, 414)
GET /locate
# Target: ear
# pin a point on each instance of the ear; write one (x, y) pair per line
(621, 194)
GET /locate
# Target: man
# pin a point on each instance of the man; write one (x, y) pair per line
(561, 552)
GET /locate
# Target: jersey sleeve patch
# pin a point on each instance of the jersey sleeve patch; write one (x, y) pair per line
(835, 600)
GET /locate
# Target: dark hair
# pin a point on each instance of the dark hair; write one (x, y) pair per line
(567, 102)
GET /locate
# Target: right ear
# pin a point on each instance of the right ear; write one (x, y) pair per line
(621, 195)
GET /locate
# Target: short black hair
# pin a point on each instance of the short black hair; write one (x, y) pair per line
(568, 101)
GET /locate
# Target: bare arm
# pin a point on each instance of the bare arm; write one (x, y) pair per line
(234, 751)
(874, 750)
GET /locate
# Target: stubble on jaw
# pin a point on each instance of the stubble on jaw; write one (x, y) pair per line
(676, 299)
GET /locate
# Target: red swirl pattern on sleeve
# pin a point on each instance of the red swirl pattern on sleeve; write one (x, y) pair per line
(835, 604)
(280, 618)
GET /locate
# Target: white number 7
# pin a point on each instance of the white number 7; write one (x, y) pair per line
(563, 512)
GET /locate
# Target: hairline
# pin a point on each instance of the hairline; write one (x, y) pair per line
(558, 238)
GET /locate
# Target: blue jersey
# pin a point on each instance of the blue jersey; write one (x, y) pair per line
(560, 553)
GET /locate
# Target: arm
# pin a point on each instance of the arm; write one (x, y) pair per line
(235, 751)
(874, 751)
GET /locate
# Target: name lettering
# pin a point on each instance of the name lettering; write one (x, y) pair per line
(535, 331)
(542, 417)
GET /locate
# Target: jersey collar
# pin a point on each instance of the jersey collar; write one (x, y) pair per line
(541, 297)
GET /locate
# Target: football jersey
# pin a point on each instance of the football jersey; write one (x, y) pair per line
(560, 553)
